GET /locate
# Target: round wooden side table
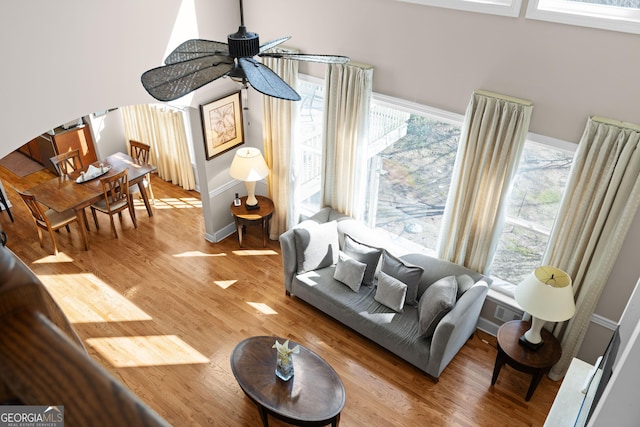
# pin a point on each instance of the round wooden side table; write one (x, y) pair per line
(535, 362)
(261, 216)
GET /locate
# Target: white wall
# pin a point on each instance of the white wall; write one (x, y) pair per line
(68, 58)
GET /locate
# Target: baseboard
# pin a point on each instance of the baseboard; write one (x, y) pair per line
(222, 233)
(487, 326)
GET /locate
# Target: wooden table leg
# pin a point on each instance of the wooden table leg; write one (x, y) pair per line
(265, 231)
(264, 416)
(239, 229)
(534, 383)
(82, 223)
(145, 197)
(498, 366)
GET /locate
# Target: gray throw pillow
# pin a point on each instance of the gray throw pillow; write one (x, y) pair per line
(406, 273)
(316, 246)
(435, 303)
(465, 282)
(349, 271)
(390, 292)
(363, 253)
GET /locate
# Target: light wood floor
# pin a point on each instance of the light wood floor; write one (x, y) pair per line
(162, 309)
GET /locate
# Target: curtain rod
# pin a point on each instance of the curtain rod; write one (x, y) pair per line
(614, 122)
(503, 97)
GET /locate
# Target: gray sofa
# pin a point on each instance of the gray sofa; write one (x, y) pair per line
(427, 344)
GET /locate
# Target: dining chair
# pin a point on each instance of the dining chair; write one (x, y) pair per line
(68, 162)
(140, 151)
(116, 199)
(49, 219)
(5, 203)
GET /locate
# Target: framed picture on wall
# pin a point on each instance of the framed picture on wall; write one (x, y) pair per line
(222, 124)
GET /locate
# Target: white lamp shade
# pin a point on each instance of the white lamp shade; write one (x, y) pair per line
(248, 165)
(547, 294)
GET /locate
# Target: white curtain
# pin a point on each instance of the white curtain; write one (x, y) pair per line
(347, 100)
(490, 146)
(601, 200)
(164, 130)
(277, 131)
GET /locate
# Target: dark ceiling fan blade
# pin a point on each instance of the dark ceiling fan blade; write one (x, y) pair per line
(173, 81)
(327, 59)
(273, 43)
(196, 48)
(266, 81)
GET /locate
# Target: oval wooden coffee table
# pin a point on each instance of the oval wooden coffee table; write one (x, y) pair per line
(314, 396)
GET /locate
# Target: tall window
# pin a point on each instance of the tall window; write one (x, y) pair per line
(308, 144)
(411, 154)
(534, 201)
(412, 151)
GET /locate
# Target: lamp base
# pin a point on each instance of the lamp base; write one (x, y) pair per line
(530, 345)
(251, 207)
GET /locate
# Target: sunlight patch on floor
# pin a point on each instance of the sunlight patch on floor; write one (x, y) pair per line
(157, 350)
(84, 298)
(196, 254)
(262, 307)
(224, 284)
(183, 203)
(255, 252)
(53, 259)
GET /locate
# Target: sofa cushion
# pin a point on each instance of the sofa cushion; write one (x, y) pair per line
(465, 282)
(390, 292)
(316, 245)
(366, 254)
(435, 303)
(407, 273)
(349, 271)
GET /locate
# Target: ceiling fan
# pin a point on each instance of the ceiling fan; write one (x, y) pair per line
(197, 62)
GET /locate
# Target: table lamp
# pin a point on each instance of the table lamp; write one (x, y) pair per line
(249, 166)
(545, 294)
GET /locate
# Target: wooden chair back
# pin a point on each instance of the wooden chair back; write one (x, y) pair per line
(139, 150)
(116, 190)
(36, 209)
(68, 162)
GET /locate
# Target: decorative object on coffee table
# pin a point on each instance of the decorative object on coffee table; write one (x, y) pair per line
(315, 396)
(284, 359)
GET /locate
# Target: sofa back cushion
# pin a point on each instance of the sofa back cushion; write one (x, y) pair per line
(435, 269)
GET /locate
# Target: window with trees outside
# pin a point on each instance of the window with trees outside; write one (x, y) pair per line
(412, 151)
(615, 15)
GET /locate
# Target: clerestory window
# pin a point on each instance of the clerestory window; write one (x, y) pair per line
(615, 15)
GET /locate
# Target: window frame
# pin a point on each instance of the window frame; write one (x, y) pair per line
(590, 15)
(509, 8)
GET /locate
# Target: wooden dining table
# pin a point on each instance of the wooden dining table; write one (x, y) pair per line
(64, 193)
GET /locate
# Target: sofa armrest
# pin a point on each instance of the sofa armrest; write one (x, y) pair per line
(289, 258)
(456, 328)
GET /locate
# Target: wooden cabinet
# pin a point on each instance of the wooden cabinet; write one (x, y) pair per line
(45, 146)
